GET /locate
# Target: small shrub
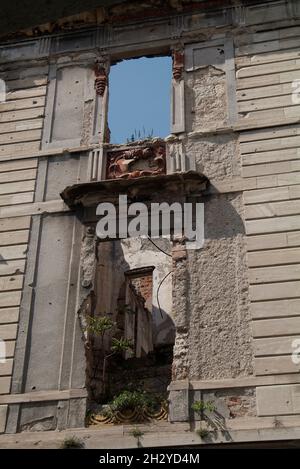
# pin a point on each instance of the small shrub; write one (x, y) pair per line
(210, 406)
(200, 406)
(140, 135)
(136, 433)
(202, 432)
(99, 325)
(72, 442)
(128, 400)
(120, 345)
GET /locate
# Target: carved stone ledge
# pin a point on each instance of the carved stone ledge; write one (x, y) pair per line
(130, 416)
(136, 161)
(173, 186)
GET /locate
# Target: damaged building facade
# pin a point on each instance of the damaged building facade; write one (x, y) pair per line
(212, 330)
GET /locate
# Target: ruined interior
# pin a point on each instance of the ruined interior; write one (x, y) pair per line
(124, 291)
(204, 337)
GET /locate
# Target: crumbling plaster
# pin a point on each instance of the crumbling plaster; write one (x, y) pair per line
(215, 341)
(216, 156)
(206, 99)
(207, 108)
(211, 306)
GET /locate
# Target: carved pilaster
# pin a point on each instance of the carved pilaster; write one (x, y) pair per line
(100, 76)
(101, 71)
(178, 64)
(178, 160)
(177, 96)
(95, 166)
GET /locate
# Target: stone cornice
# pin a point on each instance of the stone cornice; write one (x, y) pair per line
(183, 27)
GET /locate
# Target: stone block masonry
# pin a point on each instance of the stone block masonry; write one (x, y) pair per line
(229, 310)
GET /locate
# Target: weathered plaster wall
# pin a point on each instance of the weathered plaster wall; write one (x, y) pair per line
(51, 357)
(21, 124)
(213, 340)
(206, 99)
(219, 338)
(216, 156)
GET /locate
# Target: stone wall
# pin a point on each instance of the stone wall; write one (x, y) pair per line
(248, 267)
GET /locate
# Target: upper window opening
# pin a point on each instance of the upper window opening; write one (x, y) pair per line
(139, 99)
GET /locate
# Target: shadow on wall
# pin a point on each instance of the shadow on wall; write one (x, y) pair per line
(223, 215)
(218, 302)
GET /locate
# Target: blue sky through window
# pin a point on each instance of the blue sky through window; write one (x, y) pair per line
(139, 98)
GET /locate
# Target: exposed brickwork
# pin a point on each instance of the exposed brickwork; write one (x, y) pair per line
(240, 403)
(143, 286)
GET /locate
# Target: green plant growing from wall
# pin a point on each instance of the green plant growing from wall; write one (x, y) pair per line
(140, 135)
(199, 407)
(129, 404)
(120, 345)
(202, 432)
(72, 442)
(138, 434)
(129, 400)
(208, 412)
(100, 326)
